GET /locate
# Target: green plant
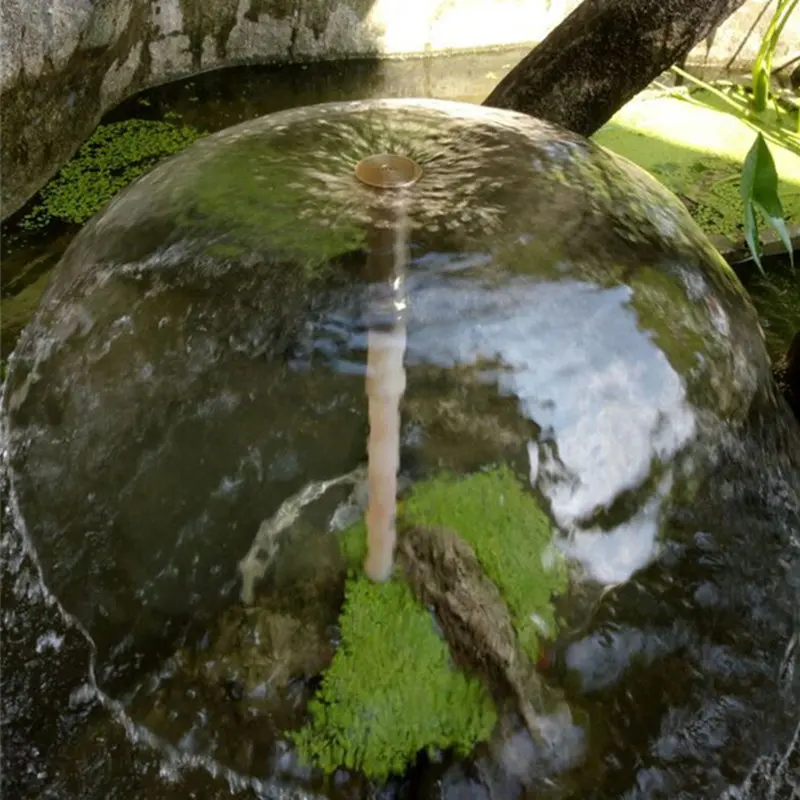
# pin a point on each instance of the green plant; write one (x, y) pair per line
(759, 180)
(759, 189)
(511, 538)
(762, 68)
(114, 156)
(391, 689)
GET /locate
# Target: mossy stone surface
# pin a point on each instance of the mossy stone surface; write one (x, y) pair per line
(511, 537)
(392, 690)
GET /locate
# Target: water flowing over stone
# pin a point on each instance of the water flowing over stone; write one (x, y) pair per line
(200, 357)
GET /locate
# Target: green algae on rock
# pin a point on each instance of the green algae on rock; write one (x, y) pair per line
(511, 537)
(250, 195)
(392, 690)
(114, 156)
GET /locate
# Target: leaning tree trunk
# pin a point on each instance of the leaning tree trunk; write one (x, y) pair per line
(603, 54)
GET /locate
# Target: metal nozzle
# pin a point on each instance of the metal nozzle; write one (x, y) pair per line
(388, 171)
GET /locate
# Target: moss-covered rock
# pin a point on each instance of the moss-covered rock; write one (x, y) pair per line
(250, 195)
(392, 689)
(511, 537)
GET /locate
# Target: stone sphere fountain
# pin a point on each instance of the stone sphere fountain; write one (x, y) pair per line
(188, 425)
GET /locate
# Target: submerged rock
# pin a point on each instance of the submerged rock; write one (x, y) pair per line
(476, 623)
(236, 693)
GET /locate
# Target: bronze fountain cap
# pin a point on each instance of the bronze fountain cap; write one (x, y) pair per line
(388, 171)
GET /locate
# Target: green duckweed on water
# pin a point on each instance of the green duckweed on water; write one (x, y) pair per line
(696, 147)
(114, 156)
(392, 690)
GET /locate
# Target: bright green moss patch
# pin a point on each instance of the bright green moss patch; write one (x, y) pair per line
(697, 151)
(511, 538)
(391, 690)
(353, 545)
(113, 157)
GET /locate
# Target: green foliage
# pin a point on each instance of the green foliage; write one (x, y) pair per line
(391, 690)
(759, 180)
(113, 157)
(511, 537)
(508, 532)
(759, 187)
(762, 67)
(353, 545)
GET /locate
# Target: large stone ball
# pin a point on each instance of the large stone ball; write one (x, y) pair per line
(200, 352)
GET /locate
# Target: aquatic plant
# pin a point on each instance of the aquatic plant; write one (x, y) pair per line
(114, 156)
(391, 690)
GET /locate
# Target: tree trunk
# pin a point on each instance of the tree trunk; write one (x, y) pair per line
(603, 54)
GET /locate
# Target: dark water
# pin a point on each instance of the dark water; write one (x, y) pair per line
(776, 295)
(200, 356)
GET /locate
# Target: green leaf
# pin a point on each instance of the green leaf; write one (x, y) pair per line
(762, 67)
(761, 86)
(759, 187)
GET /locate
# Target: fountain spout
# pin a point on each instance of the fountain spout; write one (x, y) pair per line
(386, 378)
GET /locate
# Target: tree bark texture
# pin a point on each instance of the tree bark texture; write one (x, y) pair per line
(603, 54)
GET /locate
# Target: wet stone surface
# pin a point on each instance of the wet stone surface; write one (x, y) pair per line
(199, 356)
(253, 673)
